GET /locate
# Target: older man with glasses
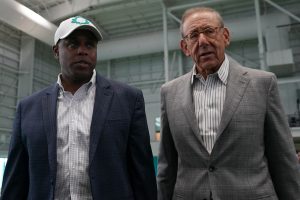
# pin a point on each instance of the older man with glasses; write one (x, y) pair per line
(224, 132)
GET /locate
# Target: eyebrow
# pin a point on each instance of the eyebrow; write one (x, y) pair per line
(204, 27)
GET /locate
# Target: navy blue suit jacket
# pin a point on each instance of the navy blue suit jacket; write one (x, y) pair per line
(120, 157)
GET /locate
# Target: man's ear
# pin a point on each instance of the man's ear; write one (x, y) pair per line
(183, 46)
(226, 35)
(55, 51)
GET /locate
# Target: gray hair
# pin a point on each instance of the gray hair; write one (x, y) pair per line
(191, 11)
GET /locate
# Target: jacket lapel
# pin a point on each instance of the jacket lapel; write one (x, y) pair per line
(49, 111)
(237, 84)
(103, 100)
(188, 105)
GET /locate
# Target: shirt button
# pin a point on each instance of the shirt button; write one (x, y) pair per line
(211, 168)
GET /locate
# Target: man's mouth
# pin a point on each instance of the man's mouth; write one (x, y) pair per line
(205, 54)
(82, 63)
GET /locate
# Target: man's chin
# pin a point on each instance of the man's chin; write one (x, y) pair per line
(209, 65)
(82, 77)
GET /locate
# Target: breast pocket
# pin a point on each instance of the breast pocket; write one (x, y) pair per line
(249, 113)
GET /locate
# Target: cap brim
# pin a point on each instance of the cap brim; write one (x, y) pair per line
(91, 28)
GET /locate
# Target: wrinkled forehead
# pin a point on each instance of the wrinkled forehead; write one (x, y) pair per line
(200, 19)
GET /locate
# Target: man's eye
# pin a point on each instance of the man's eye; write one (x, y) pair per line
(209, 31)
(91, 45)
(194, 35)
(71, 45)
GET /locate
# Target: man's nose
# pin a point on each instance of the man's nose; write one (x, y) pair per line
(82, 50)
(202, 39)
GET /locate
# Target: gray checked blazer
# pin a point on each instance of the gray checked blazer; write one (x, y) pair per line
(253, 156)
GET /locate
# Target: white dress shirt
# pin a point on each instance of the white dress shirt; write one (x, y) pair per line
(74, 116)
(209, 97)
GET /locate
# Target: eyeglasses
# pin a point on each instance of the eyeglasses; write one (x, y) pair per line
(210, 32)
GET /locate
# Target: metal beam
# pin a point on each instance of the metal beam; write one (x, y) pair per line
(174, 17)
(283, 10)
(128, 5)
(202, 3)
(24, 19)
(261, 47)
(5, 130)
(74, 7)
(25, 81)
(165, 39)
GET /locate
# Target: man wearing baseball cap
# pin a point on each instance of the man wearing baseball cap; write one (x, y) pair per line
(84, 137)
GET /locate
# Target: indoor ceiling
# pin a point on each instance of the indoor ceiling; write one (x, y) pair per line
(121, 18)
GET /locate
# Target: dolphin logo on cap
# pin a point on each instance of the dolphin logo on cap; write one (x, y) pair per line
(80, 20)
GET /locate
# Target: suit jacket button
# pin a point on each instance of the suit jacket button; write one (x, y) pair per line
(211, 168)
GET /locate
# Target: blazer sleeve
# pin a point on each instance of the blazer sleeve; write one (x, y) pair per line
(140, 159)
(15, 180)
(279, 148)
(168, 157)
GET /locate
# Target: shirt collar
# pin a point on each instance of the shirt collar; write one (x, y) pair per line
(222, 72)
(88, 85)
